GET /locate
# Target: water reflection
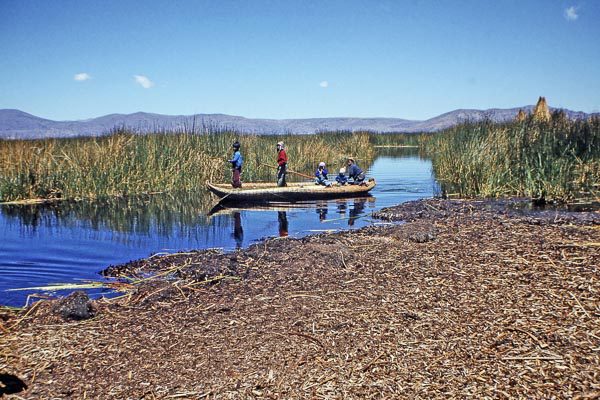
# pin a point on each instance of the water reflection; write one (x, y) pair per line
(137, 215)
(238, 231)
(283, 223)
(322, 209)
(357, 209)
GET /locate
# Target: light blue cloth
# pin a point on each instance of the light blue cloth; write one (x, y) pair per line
(237, 161)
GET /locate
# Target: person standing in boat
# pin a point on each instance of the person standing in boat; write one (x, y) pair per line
(321, 175)
(236, 165)
(281, 164)
(354, 172)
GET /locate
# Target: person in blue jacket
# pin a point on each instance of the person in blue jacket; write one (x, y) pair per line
(342, 179)
(321, 175)
(236, 165)
(354, 172)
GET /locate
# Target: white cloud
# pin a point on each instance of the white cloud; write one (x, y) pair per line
(83, 76)
(324, 84)
(143, 81)
(571, 13)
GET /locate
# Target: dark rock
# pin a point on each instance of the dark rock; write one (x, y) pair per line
(76, 306)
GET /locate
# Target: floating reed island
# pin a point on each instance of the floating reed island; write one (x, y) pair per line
(468, 299)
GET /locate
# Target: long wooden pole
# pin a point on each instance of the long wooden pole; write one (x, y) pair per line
(288, 170)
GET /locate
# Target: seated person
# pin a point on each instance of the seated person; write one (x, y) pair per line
(321, 175)
(354, 172)
(342, 179)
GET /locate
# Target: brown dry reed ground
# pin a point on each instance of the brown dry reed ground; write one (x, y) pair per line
(461, 302)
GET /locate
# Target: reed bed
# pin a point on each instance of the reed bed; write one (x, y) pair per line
(124, 163)
(556, 160)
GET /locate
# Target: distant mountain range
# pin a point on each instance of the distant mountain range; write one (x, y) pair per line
(16, 124)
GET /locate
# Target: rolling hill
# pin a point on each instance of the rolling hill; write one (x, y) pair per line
(16, 124)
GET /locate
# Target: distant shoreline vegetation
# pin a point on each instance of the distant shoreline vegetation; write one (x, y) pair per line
(555, 159)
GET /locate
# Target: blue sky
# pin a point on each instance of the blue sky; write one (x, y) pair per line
(79, 59)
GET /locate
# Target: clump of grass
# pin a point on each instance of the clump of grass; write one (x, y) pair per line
(554, 160)
(124, 163)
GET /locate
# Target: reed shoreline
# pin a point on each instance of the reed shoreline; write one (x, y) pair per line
(463, 300)
(125, 164)
(557, 160)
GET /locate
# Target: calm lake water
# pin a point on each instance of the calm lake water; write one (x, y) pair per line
(72, 242)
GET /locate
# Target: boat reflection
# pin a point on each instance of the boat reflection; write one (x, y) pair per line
(346, 211)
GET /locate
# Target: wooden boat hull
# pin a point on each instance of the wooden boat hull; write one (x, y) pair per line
(297, 191)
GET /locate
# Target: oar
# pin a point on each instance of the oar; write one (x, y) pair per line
(288, 170)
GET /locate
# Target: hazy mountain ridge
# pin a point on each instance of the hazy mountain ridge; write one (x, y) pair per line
(16, 124)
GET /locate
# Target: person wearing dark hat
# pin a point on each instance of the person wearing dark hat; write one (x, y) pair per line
(354, 172)
(236, 165)
(281, 164)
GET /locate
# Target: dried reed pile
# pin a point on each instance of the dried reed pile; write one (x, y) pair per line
(462, 302)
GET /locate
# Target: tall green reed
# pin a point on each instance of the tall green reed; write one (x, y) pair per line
(556, 160)
(124, 163)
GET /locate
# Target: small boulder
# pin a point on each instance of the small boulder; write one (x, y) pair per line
(76, 306)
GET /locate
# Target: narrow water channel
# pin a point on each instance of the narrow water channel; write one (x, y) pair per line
(72, 242)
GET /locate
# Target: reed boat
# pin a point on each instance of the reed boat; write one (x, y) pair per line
(296, 191)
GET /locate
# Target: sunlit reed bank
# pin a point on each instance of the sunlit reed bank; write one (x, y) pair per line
(555, 160)
(127, 164)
